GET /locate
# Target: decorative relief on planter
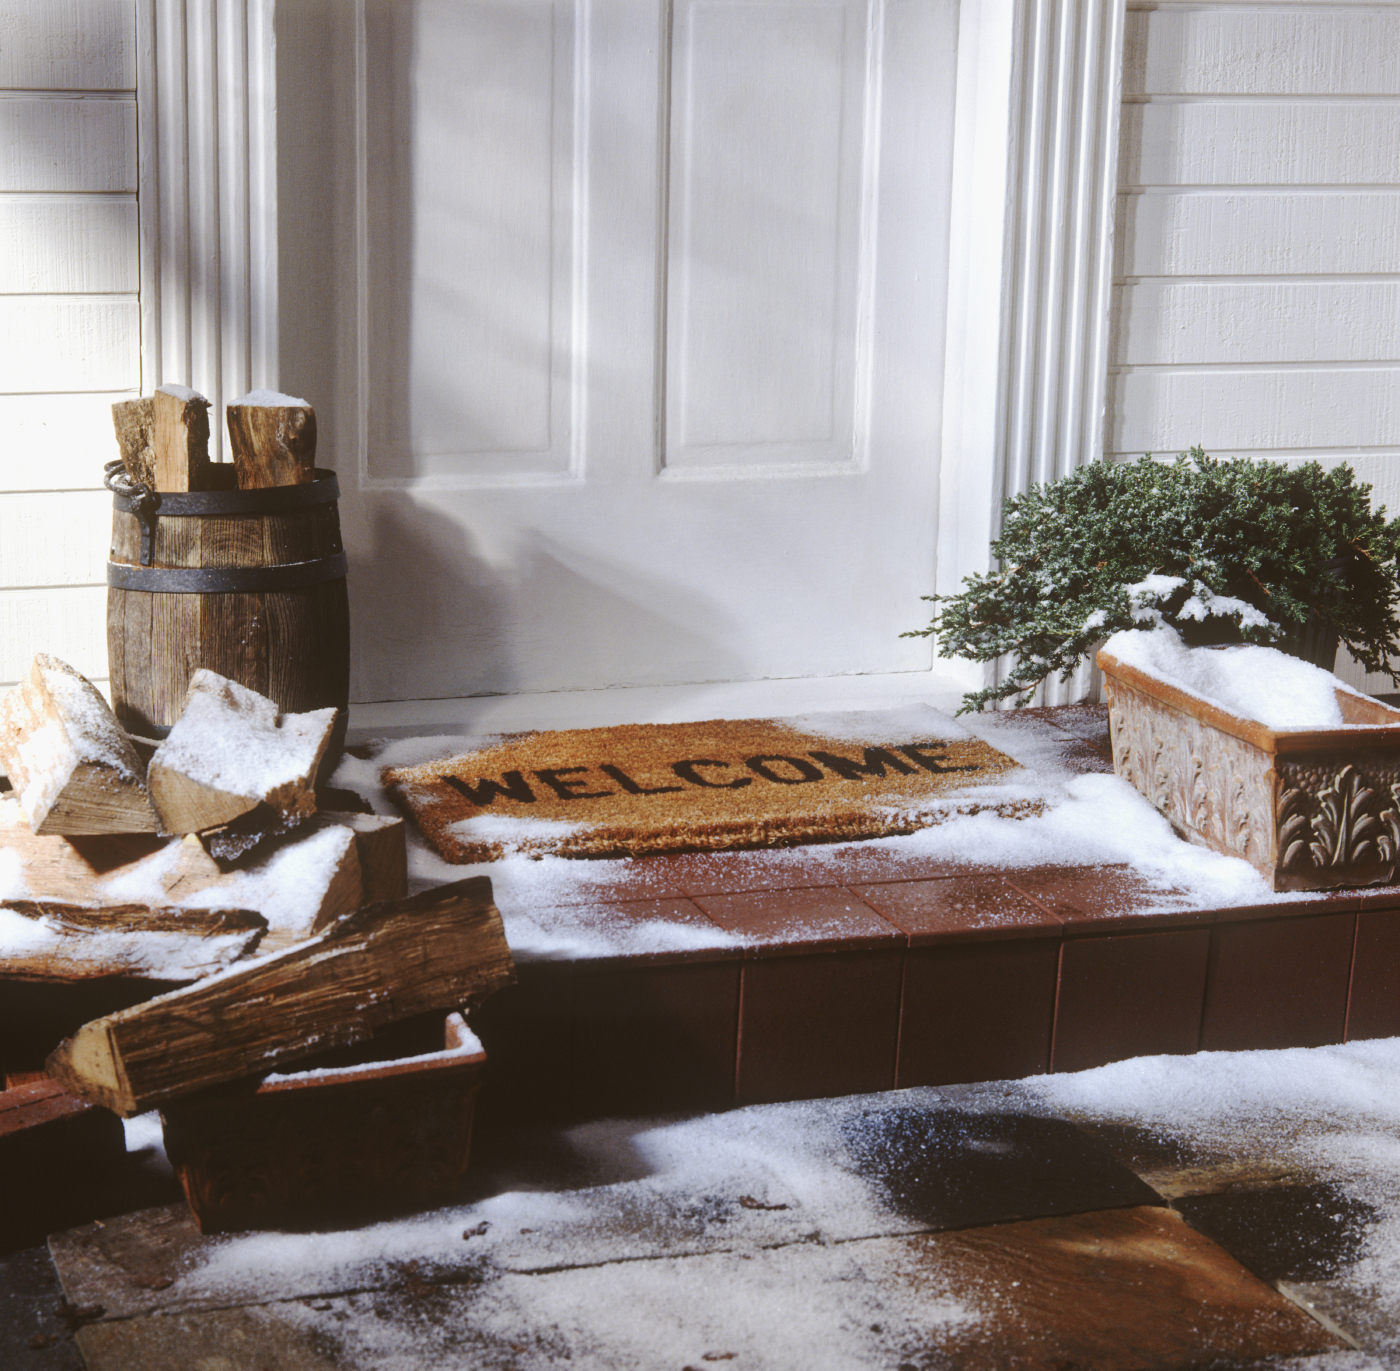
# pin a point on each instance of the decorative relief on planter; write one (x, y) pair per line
(1340, 819)
(1312, 809)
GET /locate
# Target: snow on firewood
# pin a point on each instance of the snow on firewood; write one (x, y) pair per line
(60, 942)
(231, 750)
(73, 769)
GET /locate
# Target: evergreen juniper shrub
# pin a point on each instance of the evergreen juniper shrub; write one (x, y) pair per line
(1220, 551)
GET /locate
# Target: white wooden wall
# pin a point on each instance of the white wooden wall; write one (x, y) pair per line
(1257, 273)
(70, 337)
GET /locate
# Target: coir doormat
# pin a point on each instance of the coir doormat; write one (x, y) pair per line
(725, 784)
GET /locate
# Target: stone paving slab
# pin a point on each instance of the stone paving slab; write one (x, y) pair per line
(1132, 1288)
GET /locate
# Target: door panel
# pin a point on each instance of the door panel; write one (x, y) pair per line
(652, 339)
(764, 245)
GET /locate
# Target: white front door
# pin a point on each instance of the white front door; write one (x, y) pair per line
(651, 346)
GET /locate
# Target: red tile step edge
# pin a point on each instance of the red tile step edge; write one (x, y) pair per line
(859, 971)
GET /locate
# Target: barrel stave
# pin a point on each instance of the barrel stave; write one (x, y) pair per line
(292, 645)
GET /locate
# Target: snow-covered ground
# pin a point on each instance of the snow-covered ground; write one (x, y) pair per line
(759, 1232)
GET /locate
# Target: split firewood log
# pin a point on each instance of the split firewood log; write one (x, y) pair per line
(73, 769)
(62, 942)
(324, 869)
(381, 842)
(180, 439)
(134, 422)
(229, 751)
(273, 440)
(442, 949)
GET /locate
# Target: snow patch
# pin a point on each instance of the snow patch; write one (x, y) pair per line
(1251, 682)
(273, 398)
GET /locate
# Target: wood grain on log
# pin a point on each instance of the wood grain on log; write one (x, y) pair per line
(72, 768)
(181, 439)
(229, 751)
(134, 422)
(442, 949)
(380, 841)
(51, 867)
(77, 943)
(272, 444)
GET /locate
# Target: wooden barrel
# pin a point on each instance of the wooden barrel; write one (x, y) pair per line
(249, 583)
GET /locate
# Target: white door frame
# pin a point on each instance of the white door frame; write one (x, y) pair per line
(1034, 181)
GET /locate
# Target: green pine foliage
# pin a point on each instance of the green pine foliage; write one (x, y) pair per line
(1258, 547)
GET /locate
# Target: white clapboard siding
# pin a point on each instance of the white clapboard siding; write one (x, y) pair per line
(1258, 233)
(63, 343)
(57, 442)
(1170, 409)
(1258, 50)
(1373, 682)
(64, 143)
(1250, 321)
(55, 538)
(75, 245)
(67, 45)
(69, 623)
(1275, 143)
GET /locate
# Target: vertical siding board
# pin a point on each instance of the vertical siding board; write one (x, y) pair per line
(70, 623)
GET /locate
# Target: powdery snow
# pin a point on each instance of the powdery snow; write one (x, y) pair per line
(233, 739)
(627, 1244)
(878, 727)
(286, 887)
(13, 886)
(1085, 819)
(161, 954)
(273, 398)
(84, 731)
(182, 392)
(1251, 682)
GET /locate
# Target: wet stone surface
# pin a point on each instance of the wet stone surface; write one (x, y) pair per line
(1286, 1232)
(950, 1169)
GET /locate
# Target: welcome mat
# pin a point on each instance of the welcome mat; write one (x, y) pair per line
(642, 789)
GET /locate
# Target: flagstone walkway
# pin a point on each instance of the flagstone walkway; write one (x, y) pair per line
(964, 1228)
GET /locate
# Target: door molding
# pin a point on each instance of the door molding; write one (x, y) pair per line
(207, 196)
(1035, 135)
(1034, 184)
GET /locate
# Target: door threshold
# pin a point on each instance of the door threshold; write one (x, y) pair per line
(477, 714)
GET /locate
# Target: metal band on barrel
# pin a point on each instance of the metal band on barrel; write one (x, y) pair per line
(188, 504)
(226, 579)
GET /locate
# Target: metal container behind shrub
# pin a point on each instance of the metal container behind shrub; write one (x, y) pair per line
(249, 583)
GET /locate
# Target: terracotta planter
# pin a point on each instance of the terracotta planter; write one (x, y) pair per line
(1312, 809)
(334, 1144)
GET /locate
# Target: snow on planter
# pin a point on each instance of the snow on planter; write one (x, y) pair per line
(1258, 755)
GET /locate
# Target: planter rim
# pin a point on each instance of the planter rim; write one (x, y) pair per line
(1275, 741)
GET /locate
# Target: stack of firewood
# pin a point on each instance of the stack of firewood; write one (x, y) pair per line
(164, 441)
(230, 792)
